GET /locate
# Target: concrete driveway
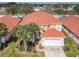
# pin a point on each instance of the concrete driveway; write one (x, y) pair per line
(51, 51)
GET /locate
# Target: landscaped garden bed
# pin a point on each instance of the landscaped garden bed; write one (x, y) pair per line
(70, 48)
(12, 51)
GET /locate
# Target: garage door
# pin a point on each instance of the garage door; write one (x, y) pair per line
(53, 42)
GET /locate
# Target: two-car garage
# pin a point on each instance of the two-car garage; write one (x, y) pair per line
(52, 37)
(53, 41)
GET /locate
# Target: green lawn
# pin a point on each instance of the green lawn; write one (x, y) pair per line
(11, 52)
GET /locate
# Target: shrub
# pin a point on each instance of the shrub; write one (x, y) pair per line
(71, 53)
(29, 49)
(67, 48)
(71, 50)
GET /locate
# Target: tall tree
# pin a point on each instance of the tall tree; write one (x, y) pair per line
(22, 35)
(76, 8)
(35, 29)
(12, 9)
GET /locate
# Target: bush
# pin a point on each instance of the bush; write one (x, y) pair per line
(67, 47)
(71, 53)
(70, 48)
(29, 49)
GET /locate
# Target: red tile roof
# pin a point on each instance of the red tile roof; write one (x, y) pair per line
(72, 23)
(9, 21)
(40, 18)
(52, 33)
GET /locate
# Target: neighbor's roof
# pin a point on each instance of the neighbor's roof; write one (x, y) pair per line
(9, 21)
(52, 33)
(72, 23)
(40, 18)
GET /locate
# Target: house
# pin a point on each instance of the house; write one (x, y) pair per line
(10, 22)
(50, 28)
(2, 9)
(71, 26)
(52, 37)
(38, 8)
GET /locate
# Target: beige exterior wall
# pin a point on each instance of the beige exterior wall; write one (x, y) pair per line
(45, 27)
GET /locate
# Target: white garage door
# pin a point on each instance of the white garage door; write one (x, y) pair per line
(53, 42)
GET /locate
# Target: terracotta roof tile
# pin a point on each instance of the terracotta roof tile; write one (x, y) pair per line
(9, 21)
(52, 33)
(72, 23)
(40, 18)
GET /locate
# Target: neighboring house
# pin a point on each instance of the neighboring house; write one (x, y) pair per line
(38, 8)
(10, 22)
(71, 26)
(49, 26)
(2, 9)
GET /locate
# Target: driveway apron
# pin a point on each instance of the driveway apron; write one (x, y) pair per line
(51, 51)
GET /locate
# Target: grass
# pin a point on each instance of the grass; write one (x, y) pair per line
(16, 54)
(11, 52)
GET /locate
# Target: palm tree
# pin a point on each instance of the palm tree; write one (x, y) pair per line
(26, 37)
(34, 29)
(25, 34)
(22, 35)
(17, 32)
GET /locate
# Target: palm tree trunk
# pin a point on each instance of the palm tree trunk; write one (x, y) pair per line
(18, 42)
(33, 38)
(34, 41)
(25, 45)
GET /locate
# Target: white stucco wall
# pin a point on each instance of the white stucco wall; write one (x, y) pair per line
(66, 31)
(59, 27)
(74, 38)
